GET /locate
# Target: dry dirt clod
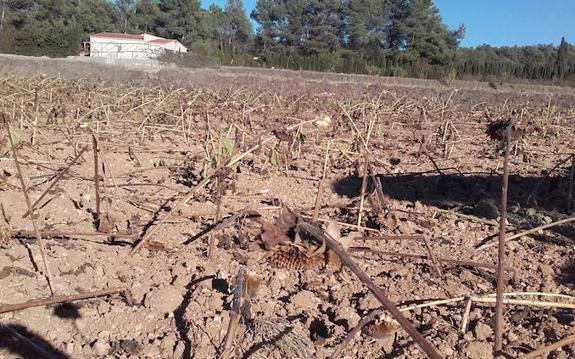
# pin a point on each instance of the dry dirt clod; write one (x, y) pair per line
(304, 300)
(164, 300)
(482, 331)
(479, 350)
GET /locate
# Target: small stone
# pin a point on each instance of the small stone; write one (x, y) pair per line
(531, 212)
(103, 308)
(70, 347)
(305, 300)
(512, 337)
(281, 275)
(475, 314)
(139, 291)
(101, 347)
(81, 325)
(87, 351)
(482, 331)
(104, 334)
(446, 350)
(387, 343)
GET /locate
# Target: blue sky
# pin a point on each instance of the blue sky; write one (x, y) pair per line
(500, 22)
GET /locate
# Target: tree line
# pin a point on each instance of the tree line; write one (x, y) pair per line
(384, 37)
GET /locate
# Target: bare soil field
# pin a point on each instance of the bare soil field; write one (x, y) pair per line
(177, 211)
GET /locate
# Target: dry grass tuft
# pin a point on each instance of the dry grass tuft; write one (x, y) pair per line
(282, 336)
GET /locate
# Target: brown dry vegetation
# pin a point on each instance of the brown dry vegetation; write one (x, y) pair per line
(162, 132)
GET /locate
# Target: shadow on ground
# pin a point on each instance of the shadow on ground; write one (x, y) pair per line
(477, 194)
(18, 340)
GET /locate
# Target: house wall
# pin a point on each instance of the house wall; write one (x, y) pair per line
(114, 50)
(125, 49)
(175, 46)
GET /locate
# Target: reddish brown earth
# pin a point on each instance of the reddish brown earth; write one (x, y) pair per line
(159, 138)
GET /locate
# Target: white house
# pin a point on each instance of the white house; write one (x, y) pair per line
(113, 46)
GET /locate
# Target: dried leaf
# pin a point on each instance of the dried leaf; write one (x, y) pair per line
(282, 135)
(333, 261)
(334, 232)
(272, 235)
(226, 147)
(332, 229)
(14, 137)
(253, 284)
(107, 224)
(388, 221)
(323, 122)
(382, 328)
(286, 221)
(155, 246)
(275, 158)
(346, 241)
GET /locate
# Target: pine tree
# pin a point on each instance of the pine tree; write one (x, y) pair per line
(126, 10)
(218, 26)
(368, 23)
(323, 22)
(146, 16)
(561, 65)
(238, 26)
(418, 32)
(182, 20)
(282, 23)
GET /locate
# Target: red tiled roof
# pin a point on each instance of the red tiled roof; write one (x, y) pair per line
(113, 35)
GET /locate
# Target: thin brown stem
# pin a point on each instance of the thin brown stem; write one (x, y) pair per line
(41, 243)
(423, 343)
(175, 209)
(60, 174)
(533, 230)
(378, 190)
(235, 314)
(435, 263)
(64, 234)
(501, 251)
(362, 323)
(39, 302)
(549, 348)
(96, 181)
(212, 239)
(363, 188)
(571, 179)
(317, 201)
